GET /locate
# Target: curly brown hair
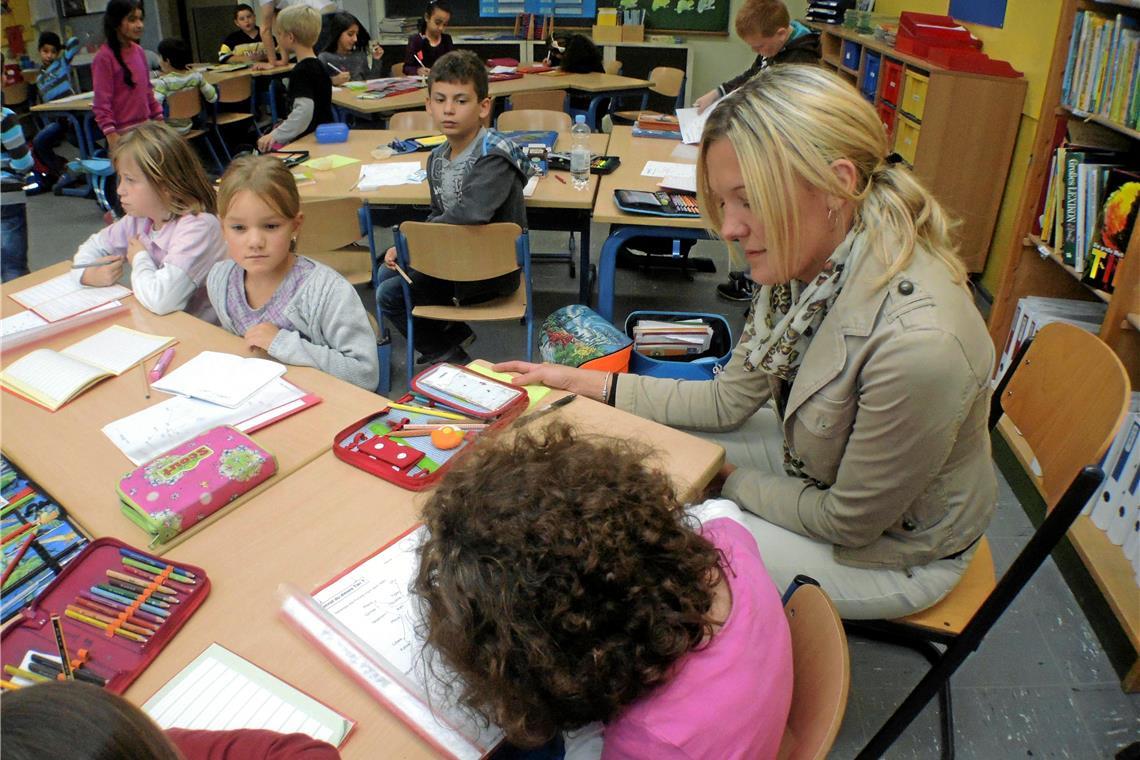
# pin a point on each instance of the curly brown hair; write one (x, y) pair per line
(561, 579)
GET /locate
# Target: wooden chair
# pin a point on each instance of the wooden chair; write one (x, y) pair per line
(417, 120)
(331, 233)
(397, 69)
(236, 90)
(466, 253)
(821, 672)
(666, 81)
(1067, 433)
(612, 67)
(557, 121)
(187, 104)
(543, 100)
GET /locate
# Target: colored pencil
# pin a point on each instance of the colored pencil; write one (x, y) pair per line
(159, 589)
(18, 532)
(430, 412)
(8, 685)
(135, 587)
(154, 576)
(429, 427)
(402, 273)
(102, 618)
(121, 598)
(155, 562)
(12, 670)
(16, 559)
(127, 561)
(61, 645)
(140, 617)
(103, 626)
(134, 596)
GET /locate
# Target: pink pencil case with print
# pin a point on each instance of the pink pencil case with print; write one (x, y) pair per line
(187, 484)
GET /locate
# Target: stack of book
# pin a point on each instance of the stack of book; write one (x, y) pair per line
(1101, 70)
(653, 124)
(688, 337)
(399, 25)
(1034, 312)
(1090, 205)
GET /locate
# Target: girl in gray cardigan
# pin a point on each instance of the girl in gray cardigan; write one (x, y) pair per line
(295, 309)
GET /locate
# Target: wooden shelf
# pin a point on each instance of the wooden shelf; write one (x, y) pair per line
(1048, 252)
(1134, 320)
(1105, 561)
(1103, 121)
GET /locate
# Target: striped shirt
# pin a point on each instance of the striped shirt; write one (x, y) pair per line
(54, 80)
(15, 159)
(177, 81)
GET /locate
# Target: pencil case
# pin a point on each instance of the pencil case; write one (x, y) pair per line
(659, 203)
(444, 392)
(332, 132)
(141, 627)
(193, 480)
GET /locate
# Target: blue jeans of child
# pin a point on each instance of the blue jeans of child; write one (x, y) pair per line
(13, 241)
(44, 144)
(433, 336)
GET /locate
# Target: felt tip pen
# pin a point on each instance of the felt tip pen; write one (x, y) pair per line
(51, 669)
(162, 365)
(155, 562)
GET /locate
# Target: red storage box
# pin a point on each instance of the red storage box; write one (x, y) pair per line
(972, 61)
(887, 116)
(920, 32)
(892, 78)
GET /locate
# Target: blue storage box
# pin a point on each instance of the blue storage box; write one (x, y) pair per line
(851, 52)
(870, 83)
(332, 133)
(702, 366)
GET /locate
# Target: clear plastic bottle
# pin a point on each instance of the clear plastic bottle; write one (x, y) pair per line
(580, 152)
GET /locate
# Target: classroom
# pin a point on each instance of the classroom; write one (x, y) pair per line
(577, 379)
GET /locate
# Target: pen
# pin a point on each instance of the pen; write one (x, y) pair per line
(421, 60)
(334, 68)
(16, 559)
(548, 408)
(161, 366)
(402, 273)
(61, 645)
(559, 178)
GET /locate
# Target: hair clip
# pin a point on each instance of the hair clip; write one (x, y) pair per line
(894, 158)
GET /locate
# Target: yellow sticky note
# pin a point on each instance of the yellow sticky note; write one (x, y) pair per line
(328, 163)
(535, 392)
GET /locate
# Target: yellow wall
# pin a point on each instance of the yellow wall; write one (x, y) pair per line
(21, 14)
(1026, 41)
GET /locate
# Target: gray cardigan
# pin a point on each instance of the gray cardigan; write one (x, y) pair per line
(331, 328)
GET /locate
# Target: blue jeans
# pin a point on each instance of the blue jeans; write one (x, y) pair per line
(13, 241)
(44, 144)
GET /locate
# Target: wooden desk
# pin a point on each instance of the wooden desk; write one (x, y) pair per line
(634, 152)
(67, 453)
(332, 515)
(554, 206)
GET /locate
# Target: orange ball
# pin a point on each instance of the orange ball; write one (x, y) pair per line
(447, 437)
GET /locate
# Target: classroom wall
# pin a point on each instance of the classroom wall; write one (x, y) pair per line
(1026, 41)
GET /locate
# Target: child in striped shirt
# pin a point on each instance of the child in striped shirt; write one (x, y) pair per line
(15, 163)
(52, 83)
(177, 76)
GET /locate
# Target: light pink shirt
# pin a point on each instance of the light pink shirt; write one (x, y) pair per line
(730, 699)
(170, 273)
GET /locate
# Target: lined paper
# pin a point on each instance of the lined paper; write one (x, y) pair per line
(220, 691)
(49, 377)
(117, 348)
(62, 297)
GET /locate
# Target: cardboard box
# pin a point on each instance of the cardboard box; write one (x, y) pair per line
(605, 34)
(633, 33)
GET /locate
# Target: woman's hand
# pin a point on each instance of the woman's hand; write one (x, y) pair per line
(590, 383)
(716, 485)
(107, 274)
(706, 100)
(341, 78)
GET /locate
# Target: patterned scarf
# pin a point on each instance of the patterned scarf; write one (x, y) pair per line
(786, 316)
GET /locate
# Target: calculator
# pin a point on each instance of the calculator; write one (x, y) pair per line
(660, 203)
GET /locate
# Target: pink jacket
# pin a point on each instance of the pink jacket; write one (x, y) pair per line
(118, 107)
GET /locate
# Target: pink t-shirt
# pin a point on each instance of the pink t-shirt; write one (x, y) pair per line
(730, 699)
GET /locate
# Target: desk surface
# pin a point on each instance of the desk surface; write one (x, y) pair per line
(527, 83)
(339, 183)
(634, 152)
(331, 516)
(67, 453)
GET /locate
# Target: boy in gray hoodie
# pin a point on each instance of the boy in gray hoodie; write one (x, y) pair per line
(476, 177)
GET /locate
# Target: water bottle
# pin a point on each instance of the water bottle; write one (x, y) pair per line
(580, 152)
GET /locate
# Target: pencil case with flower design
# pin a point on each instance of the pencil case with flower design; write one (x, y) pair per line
(178, 489)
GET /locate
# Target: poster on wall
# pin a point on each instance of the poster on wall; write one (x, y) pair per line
(985, 12)
(682, 15)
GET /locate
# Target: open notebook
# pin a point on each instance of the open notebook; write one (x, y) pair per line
(52, 378)
(220, 378)
(62, 297)
(221, 691)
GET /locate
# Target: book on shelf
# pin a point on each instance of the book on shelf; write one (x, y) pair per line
(1101, 69)
(1034, 312)
(1115, 222)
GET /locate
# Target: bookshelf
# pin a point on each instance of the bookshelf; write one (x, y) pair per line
(955, 129)
(1032, 268)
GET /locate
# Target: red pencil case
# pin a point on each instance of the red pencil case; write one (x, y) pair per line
(116, 658)
(374, 444)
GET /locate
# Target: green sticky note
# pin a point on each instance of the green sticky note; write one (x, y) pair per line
(534, 392)
(328, 163)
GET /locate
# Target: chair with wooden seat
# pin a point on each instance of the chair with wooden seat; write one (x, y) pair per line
(187, 104)
(420, 121)
(466, 253)
(529, 119)
(1067, 433)
(821, 672)
(612, 67)
(331, 234)
(665, 81)
(235, 90)
(543, 100)
(397, 69)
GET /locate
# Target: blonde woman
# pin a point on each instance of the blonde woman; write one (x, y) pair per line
(858, 393)
(170, 234)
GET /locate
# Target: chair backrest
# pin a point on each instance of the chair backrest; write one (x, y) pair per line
(329, 224)
(418, 120)
(16, 94)
(184, 104)
(612, 67)
(822, 675)
(397, 69)
(558, 121)
(543, 100)
(490, 249)
(667, 81)
(235, 90)
(1066, 431)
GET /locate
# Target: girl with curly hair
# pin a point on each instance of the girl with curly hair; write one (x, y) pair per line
(566, 586)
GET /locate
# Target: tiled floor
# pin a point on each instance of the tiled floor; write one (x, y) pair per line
(1040, 686)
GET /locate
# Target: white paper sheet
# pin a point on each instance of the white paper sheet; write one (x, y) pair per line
(683, 184)
(117, 348)
(61, 297)
(26, 326)
(220, 378)
(220, 691)
(692, 124)
(373, 176)
(668, 169)
(145, 434)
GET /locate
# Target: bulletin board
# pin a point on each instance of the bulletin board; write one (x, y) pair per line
(985, 12)
(682, 15)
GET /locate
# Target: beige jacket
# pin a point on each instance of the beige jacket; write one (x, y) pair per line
(889, 408)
